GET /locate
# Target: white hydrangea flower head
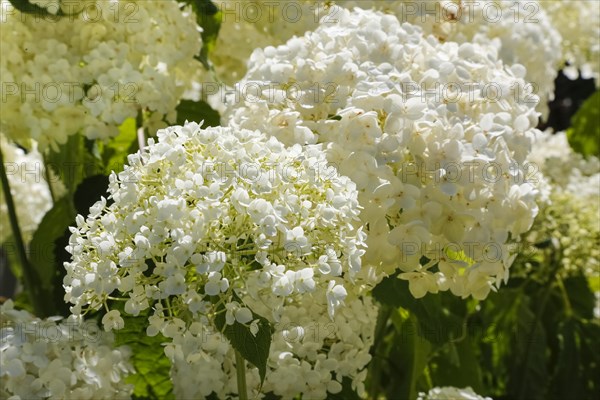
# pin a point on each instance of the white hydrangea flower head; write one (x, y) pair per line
(565, 169)
(29, 188)
(48, 359)
(201, 212)
(310, 354)
(578, 22)
(569, 216)
(308, 345)
(435, 136)
(515, 28)
(128, 57)
(451, 393)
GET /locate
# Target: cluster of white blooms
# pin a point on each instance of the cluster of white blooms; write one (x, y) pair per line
(513, 27)
(570, 214)
(451, 393)
(435, 136)
(28, 187)
(201, 212)
(578, 21)
(520, 30)
(310, 354)
(68, 360)
(127, 57)
(565, 169)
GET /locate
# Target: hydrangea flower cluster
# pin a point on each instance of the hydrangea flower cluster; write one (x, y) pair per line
(570, 213)
(203, 211)
(578, 22)
(435, 136)
(451, 393)
(24, 173)
(309, 355)
(47, 359)
(562, 167)
(513, 27)
(128, 57)
(572, 223)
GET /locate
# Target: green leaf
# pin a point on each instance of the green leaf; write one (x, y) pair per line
(440, 316)
(526, 357)
(208, 17)
(567, 383)
(581, 298)
(589, 367)
(26, 7)
(89, 192)
(42, 249)
(9, 248)
(512, 346)
(197, 111)
(22, 302)
(594, 283)
(414, 351)
(152, 377)
(47, 248)
(73, 162)
(254, 349)
(462, 373)
(578, 361)
(115, 152)
(584, 134)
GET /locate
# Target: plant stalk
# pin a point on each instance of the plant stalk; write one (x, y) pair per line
(31, 279)
(47, 177)
(240, 366)
(378, 347)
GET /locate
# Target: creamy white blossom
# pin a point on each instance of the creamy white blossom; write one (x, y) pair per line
(310, 354)
(200, 213)
(71, 359)
(435, 136)
(569, 212)
(230, 214)
(578, 21)
(520, 30)
(91, 69)
(565, 169)
(514, 28)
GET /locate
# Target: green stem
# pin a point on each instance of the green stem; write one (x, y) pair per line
(565, 296)
(240, 366)
(47, 178)
(375, 367)
(30, 278)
